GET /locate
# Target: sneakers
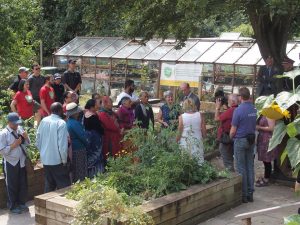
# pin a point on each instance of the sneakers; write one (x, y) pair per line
(16, 210)
(246, 199)
(19, 209)
(24, 208)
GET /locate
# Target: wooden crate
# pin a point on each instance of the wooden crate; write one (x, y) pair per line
(35, 186)
(188, 207)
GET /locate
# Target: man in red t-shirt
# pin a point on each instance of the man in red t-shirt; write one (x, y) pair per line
(47, 96)
(225, 118)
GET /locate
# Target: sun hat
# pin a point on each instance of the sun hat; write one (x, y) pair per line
(23, 69)
(72, 108)
(14, 118)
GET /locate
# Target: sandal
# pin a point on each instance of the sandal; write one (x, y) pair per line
(259, 180)
(262, 183)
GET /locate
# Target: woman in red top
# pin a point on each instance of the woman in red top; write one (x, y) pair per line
(112, 132)
(23, 101)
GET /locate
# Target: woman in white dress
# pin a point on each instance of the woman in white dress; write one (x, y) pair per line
(191, 130)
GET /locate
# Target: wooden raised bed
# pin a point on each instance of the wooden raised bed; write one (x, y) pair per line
(35, 186)
(189, 207)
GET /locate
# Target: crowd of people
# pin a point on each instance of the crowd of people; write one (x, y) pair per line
(75, 142)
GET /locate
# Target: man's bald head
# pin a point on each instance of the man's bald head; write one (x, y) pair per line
(56, 108)
(185, 88)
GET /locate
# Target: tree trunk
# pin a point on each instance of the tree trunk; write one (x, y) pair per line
(271, 33)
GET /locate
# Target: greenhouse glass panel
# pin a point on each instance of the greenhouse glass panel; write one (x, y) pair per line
(144, 50)
(84, 47)
(232, 55)
(251, 57)
(126, 51)
(224, 74)
(294, 54)
(99, 47)
(196, 51)
(289, 47)
(159, 52)
(212, 54)
(113, 49)
(61, 61)
(175, 54)
(75, 43)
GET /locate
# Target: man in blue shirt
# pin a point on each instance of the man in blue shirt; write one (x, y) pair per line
(52, 141)
(243, 132)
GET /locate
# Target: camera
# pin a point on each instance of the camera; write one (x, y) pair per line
(220, 95)
(23, 139)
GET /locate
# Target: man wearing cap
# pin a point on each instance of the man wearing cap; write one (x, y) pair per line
(52, 142)
(36, 82)
(71, 78)
(23, 73)
(58, 87)
(13, 140)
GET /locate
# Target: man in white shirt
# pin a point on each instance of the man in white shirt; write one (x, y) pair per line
(128, 92)
(13, 140)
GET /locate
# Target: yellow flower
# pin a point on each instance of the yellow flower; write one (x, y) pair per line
(274, 112)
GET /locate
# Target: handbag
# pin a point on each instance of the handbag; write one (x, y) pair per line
(225, 138)
(28, 165)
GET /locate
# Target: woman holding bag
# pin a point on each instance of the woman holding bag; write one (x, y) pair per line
(225, 146)
(23, 101)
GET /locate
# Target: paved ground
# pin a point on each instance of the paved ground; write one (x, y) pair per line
(264, 197)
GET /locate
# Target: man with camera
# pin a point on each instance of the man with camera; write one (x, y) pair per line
(13, 140)
(225, 143)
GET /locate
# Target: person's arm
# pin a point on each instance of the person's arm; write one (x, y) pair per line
(232, 131)
(80, 133)
(234, 124)
(203, 127)
(13, 106)
(269, 128)
(44, 107)
(218, 108)
(152, 116)
(139, 114)
(180, 129)
(62, 141)
(65, 81)
(160, 118)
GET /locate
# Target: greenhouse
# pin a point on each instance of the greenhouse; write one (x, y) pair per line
(230, 61)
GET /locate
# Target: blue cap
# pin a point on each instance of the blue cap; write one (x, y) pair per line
(14, 118)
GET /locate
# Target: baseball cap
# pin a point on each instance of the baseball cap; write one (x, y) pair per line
(57, 76)
(72, 61)
(14, 118)
(23, 69)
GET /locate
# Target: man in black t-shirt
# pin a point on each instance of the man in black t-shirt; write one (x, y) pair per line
(58, 87)
(71, 78)
(23, 74)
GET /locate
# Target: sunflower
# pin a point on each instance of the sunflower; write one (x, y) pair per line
(273, 111)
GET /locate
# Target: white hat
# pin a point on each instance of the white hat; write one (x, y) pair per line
(23, 69)
(72, 108)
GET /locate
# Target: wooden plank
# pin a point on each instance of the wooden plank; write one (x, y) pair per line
(156, 207)
(62, 205)
(40, 200)
(40, 219)
(54, 222)
(208, 202)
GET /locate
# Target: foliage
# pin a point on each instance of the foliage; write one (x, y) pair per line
(17, 36)
(157, 168)
(292, 220)
(283, 108)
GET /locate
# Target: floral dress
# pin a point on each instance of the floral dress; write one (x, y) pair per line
(263, 143)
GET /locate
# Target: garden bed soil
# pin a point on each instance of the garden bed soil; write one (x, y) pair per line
(188, 207)
(35, 186)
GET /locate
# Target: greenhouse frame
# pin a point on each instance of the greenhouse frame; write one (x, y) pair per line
(229, 61)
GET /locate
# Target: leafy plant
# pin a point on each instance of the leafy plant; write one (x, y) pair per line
(292, 220)
(157, 168)
(283, 108)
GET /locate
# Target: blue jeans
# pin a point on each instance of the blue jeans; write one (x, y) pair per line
(244, 156)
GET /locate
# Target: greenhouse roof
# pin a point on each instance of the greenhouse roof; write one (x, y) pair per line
(229, 48)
